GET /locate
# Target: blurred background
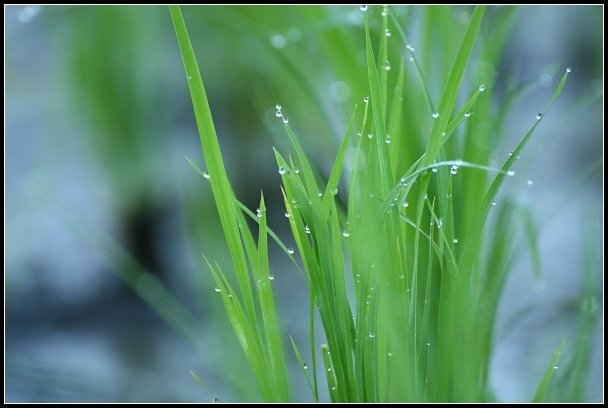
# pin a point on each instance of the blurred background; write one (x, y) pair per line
(107, 298)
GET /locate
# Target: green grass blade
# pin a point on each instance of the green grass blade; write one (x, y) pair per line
(268, 310)
(397, 138)
(452, 86)
(414, 59)
(329, 372)
(543, 386)
(532, 242)
(500, 177)
(246, 334)
(336, 170)
(272, 234)
(304, 367)
(220, 185)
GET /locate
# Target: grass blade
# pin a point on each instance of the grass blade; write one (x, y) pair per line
(541, 391)
(222, 192)
(452, 86)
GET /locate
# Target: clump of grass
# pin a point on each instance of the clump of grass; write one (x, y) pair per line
(412, 242)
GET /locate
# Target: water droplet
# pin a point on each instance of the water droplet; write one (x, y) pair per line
(278, 41)
(294, 34)
(262, 283)
(493, 202)
(305, 366)
(290, 251)
(307, 229)
(285, 120)
(482, 88)
(408, 290)
(455, 240)
(538, 116)
(387, 32)
(555, 367)
(345, 234)
(387, 65)
(434, 169)
(279, 107)
(278, 113)
(282, 170)
(333, 387)
(510, 173)
(435, 115)
(510, 153)
(370, 136)
(426, 196)
(334, 191)
(258, 213)
(384, 12)
(454, 169)
(218, 290)
(428, 343)
(372, 335)
(363, 7)
(271, 277)
(206, 175)
(329, 369)
(388, 139)
(411, 59)
(296, 170)
(568, 70)
(359, 134)
(389, 354)
(530, 182)
(189, 77)
(320, 194)
(403, 179)
(366, 99)
(410, 48)
(287, 215)
(466, 115)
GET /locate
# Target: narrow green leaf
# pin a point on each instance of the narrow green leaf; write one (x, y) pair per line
(304, 367)
(532, 241)
(222, 192)
(452, 86)
(543, 386)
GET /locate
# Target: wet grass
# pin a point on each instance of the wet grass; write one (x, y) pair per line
(406, 274)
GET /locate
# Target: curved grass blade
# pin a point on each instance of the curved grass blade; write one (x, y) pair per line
(500, 177)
